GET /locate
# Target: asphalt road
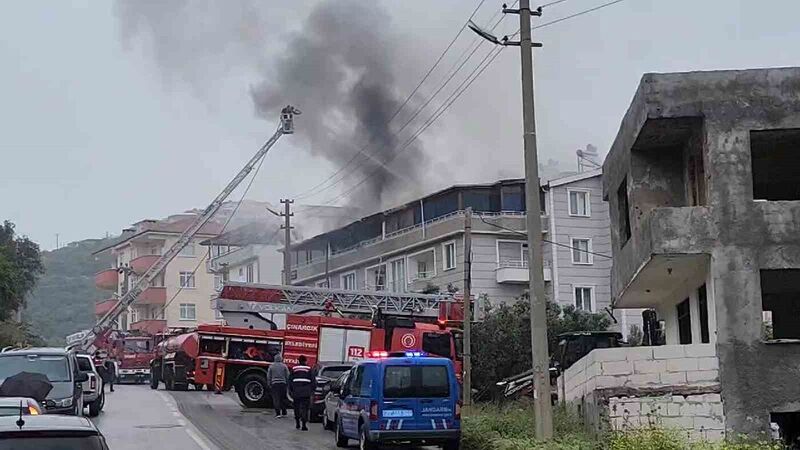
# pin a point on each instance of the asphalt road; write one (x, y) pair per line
(137, 417)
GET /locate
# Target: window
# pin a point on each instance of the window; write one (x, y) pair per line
(684, 323)
(322, 284)
(349, 281)
(579, 203)
(250, 273)
(583, 298)
(780, 303)
(512, 254)
(422, 265)
(437, 344)
(581, 249)
(776, 167)
(623, 213)
(84, 364)
(416, 381)
(359, 383)
(397, 273)
(187, 251)
(376, 277)
(702, 303)
(218, 282)
(188, 311)
(186, 280)
(449, 250)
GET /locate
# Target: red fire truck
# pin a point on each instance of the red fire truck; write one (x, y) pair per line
(224, 357)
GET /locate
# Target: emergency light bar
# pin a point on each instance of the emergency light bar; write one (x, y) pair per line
(377, 354)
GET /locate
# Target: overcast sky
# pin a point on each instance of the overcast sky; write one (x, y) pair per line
(100, 127)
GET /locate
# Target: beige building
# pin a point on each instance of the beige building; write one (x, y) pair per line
(180, 297)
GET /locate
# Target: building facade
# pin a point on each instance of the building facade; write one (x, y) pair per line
(703, 193)
(180, 295)
(250, 254)
(419, 246)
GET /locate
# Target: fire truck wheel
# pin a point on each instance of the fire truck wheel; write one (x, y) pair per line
(198, 386)
(252, 390)
(169, 381)
(153, 381)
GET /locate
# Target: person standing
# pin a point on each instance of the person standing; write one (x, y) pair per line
(111, 372)
(303, 383)
(277, 380)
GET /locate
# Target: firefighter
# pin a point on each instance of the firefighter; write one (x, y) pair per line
(302, 387)
(277, 379)
(111, 372)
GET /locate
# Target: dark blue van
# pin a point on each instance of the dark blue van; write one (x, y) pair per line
(406, 398)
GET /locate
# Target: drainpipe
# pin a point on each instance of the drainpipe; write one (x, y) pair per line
(422, 216)
(554, 238)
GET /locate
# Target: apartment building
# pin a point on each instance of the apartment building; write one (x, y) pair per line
(180, 296)
(419, 246)
(250, 253)
(702, 183)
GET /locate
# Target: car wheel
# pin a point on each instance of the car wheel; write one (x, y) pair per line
(455, 444)
(326, 424)
(340, 439)
(363, 440)
(96, 406)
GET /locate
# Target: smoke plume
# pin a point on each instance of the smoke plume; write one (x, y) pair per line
(338, 68)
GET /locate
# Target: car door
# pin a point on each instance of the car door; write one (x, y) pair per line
(400, 405)
(435, 389)
(332, 397)
(350, 403)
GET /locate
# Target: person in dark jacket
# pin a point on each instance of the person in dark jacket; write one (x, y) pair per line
(277, 380)
(302, 385)
(111, 372)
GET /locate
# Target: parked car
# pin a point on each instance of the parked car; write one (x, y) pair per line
(10, 406)
(93, 393)
(400, 399)
(326, 373)
(50, 432)
(331, 401)
(60, 366)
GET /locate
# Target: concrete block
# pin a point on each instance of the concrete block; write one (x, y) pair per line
(631, 409)
(640, 353)
(579, 365)
(668, 351)
(681, 364)
(590, 359)
(672, 378)
(700, 350)
(714, 435)
(702, 375)
(716, 410)
(712, 398)
(695, 398)
(592, 370)
(680, 423)
(643, 379)
(591, 384)
(617, 368)
(703, 409)
(650, 366)
(708, 423)
(674, 409)
(610, 354)
(689, 409)
(710, 363)
(678, 399)
(606, 381)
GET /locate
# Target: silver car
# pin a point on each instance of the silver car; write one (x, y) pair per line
(93, 392)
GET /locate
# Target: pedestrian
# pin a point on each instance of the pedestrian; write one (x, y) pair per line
(303, 383)
(277, 380)
(111, 372)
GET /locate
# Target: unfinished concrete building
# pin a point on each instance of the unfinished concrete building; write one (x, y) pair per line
(703, 185)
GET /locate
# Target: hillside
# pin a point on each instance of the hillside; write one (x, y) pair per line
(63, 300)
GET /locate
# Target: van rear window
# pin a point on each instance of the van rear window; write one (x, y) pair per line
(416, 381)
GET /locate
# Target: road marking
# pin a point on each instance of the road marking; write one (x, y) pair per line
(195, 435)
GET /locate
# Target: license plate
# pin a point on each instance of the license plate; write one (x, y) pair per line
(398, 413)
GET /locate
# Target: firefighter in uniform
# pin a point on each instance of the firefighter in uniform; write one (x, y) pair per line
(302, 385)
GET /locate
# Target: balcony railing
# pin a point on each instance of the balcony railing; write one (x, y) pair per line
(102, 307)
(153, 296)
(107, 279)
(141, 264)
(150, 326)
(422, 276)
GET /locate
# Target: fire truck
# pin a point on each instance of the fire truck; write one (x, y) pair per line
(320, 324)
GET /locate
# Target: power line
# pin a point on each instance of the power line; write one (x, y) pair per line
(543, 240)
(310, 191)
(571, 16)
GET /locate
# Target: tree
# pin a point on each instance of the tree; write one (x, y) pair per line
(502, 341)
(20, 268)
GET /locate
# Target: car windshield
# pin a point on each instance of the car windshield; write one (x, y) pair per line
(137, 345)
(415, 381)
(56, 443)
(333, 372)
(437, 344)
(84, 364)
(54, 367)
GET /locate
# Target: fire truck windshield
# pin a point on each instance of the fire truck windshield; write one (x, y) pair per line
(136, 345)
(437, 344)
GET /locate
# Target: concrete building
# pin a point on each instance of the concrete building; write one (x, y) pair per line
(419, 246)
(180, 297)
(250, 253)
(702, 184)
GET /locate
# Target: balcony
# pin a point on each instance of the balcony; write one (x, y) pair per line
(153, 296)
(516, 272)
(151, 326)
(141, 264)
(103, 307)
(107, 279)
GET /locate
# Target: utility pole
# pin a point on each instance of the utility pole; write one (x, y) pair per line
(541, 381)
(467, 307)
(287, 227)
(56, 241)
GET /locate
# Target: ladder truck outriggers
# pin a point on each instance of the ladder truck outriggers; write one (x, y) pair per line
(100, 336)
(324, 325)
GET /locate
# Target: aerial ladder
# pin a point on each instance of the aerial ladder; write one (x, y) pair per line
(103, 327)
